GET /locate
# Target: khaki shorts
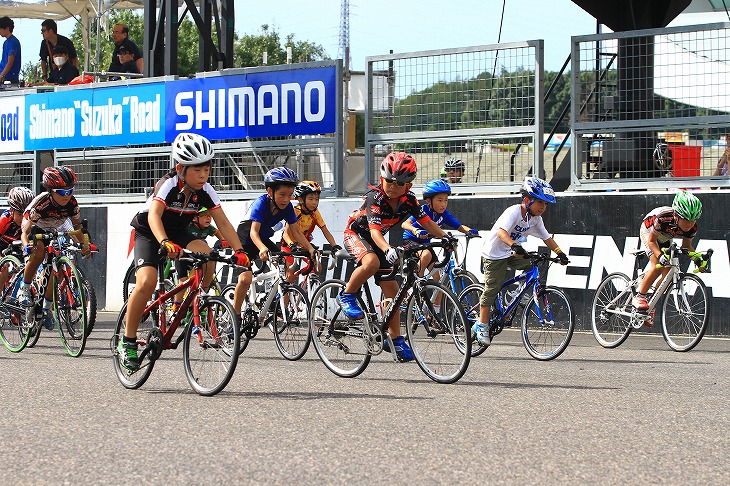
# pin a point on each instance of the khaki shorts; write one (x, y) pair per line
(494, 273)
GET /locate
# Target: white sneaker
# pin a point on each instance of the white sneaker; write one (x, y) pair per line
(25, 296)
(482, 334)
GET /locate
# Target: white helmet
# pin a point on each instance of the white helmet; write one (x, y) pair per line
(191, 149)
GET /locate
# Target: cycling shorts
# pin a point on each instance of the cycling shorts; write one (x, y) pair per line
(359, 246)
(146, 246)
(644, 233)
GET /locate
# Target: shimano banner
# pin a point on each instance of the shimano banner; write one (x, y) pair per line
(263, 104)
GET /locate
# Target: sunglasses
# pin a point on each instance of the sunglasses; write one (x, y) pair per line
(64, 192)
(393, 181)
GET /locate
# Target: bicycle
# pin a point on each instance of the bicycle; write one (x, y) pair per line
(210, 334)
(13, 329)
(69, 305)
(283, 307)
(685, 310)
(547, 317)
(439, 340)
(454, 274)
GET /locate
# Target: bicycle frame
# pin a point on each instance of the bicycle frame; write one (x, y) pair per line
(530, 280)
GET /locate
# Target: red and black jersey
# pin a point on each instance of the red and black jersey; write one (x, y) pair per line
(46, 214)
(9, 231)
(377, 213)
(180, 208)
(663, 223)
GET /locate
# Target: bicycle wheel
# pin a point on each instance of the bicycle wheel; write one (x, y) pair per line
(69, 307)
(209, 350)
(130, 281)
(90, 300)
(291, 332)
(440, 341)
(14, 330)
(463, 279)
(340, 342)
(611, 310)
(469, 301)
(150, 334)
(546, 338)
(686, 313)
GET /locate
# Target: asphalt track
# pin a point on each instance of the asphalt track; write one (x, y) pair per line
(639, 414)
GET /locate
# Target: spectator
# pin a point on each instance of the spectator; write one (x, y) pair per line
(10, 62)
(126, 59)
(722, 164)
(120, 35)
(65, 71)
(51, 39)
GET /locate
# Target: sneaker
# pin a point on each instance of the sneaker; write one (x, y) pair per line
(349, 305)
(482, 334)
(128, 354)
(402, 350)
(650, 321)
(640, 303)
(25, 296)
(48, 321)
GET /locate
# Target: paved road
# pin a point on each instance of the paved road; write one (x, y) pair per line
(638, 414)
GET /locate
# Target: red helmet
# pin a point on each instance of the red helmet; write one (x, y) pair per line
(398, 166)
(60, 177)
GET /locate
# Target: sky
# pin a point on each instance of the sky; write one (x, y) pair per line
(377, 26)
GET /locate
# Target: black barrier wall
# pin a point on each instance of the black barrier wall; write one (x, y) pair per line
(615, 215)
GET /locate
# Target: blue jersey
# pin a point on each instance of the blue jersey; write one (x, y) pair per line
(443, 219)
(260, 211)
(11, 47)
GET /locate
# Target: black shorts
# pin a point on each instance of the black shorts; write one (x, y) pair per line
(146, 247)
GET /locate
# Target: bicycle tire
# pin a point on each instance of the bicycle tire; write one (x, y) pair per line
(132, 379)
(14, 329)
(69, 307)
(129, 282)
(91, 308)
(209, 350)
(440, 341)
(339, 342)
(680, 330)
(611, 329)
(291, 332)
(547, 340)
(469, 301)
(462, 280)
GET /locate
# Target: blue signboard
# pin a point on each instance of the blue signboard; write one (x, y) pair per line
(265, 104)
(99, 117)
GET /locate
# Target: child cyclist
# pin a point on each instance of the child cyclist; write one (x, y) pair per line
(658, 229)
(11, 220)
(385, 206)
(514, 223)
(257, 226)
(202, 226)
(436, 194)
(176, 199)
(308, 218)
(55, 209)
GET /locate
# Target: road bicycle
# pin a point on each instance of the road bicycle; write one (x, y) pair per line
(685, 307)
(20, 326)
(72, 251)
(283, 306)
(439, 338)
(210, 334)
(547, 316)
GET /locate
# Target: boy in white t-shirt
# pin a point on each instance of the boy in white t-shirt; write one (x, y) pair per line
(515, 222)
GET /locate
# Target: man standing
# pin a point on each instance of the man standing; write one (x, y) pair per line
(51, 39)
(10, 62)
(120, 35)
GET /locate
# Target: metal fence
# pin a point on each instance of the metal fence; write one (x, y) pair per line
(481, 104)
(650, 108)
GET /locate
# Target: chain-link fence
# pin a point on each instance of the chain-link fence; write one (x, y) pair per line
(650, 108)
(480, 104)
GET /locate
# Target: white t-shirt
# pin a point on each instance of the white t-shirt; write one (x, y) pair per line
(515, 225)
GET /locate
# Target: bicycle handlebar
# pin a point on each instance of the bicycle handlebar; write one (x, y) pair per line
(199, 257)
(692, 254)
(405, 251)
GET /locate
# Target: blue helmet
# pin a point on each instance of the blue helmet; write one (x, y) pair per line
(436, 186)
(281, 175)
(537, 188)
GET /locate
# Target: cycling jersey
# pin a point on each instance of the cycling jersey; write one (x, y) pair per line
(662, 222)
(9, 231)
(45, 213)
(307, 223)
(516, 227)
(377, 213)
(201, 233)
(443, 219)
(180, 208)
(260, 211)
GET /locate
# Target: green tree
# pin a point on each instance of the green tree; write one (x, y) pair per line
(249, 49)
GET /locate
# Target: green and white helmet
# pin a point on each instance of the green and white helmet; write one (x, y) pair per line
(687, 206)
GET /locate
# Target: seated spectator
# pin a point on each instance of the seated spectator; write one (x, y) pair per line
(126, 59)
(65, 71)
(51, 39)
